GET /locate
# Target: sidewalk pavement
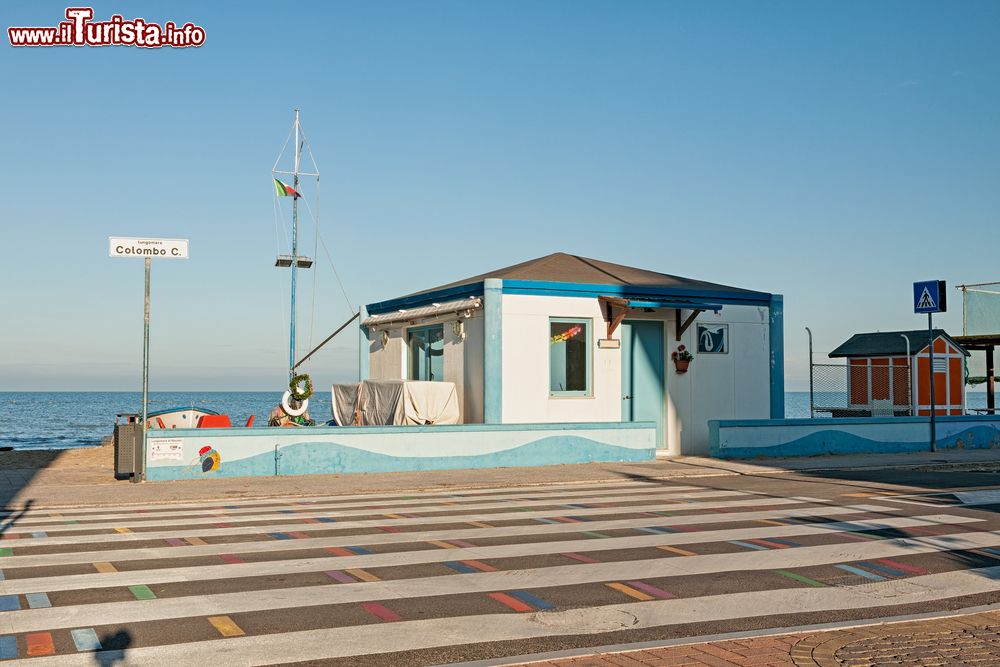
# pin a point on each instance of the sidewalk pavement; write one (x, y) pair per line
(66, 478)
(972, 639)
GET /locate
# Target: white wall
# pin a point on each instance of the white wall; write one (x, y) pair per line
(720, 386)
(526, 363)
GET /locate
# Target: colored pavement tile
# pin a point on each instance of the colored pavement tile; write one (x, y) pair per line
(380, 612)
(38, 600)
(225, 626)
(142, 592)
(9, 603)
(86, 639)
(8, 647)
(39, 643)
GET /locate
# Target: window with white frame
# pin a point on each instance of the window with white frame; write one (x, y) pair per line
(569, 357)
(426, 352)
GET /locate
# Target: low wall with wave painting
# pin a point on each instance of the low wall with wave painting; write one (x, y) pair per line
(744, 439)
(255, 452)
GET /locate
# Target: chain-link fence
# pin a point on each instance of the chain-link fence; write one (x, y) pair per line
(860, 389)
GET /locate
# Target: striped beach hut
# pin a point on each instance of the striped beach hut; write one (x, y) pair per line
(889, 373)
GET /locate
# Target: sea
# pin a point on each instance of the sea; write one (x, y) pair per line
(64, 420)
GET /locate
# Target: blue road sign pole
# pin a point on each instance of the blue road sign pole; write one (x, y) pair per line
(930, 338)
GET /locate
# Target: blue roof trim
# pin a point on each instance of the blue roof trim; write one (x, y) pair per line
(659, 303)
(544, 288)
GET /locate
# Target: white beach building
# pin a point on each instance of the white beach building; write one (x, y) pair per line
(564, 339)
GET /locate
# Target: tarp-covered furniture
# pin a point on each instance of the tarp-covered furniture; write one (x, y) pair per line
(395, 402)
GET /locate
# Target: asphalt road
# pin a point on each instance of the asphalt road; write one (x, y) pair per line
(431, 578)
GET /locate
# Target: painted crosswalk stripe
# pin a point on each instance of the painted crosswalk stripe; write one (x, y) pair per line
(528, 598)
(884, 569)
(650, 589)
(339, 551)
(225, 626)
(861, 573)
(780, 510)
(364, 524)
(580, 557)
(553, 492)
(175, 541)
(39, 533)
(6, 551)
(38, 601)
(105, 568)
(123, 530)
(9, 603)
(482, 567)
(2, 577)
(442, 544)
(591, 533)
(232, 559)
(461, 568)
(748, 545)
(629, 591)
(85, 639)
(679, 552)
(912, 569)
(380, 611)
(771, 544)
(480, 511)
(338, 575)
(195, 541)
(801, 579)
(39, 643)
(142, 592)
(259, 568)
(479, 524)
(363, 575)
(512, 603)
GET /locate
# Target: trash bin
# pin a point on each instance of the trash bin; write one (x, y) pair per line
(128, 440)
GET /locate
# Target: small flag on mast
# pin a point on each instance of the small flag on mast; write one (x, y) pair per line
(285, 190)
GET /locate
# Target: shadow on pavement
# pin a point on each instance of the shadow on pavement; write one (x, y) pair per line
(113, 647)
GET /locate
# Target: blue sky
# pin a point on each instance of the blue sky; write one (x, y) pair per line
(832, 152)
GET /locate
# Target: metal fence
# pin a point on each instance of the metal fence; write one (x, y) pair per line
(860, 390)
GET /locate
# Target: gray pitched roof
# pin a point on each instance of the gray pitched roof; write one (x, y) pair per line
(885, 343)
(562, 267)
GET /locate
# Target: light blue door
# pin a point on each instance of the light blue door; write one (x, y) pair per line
(642, 374)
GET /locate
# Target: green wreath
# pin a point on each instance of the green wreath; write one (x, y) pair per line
(303, 393)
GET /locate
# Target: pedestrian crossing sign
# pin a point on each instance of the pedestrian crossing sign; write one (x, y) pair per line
(929, 296)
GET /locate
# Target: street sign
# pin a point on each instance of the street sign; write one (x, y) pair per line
(143, 248)
(147, 249)
(930, 296)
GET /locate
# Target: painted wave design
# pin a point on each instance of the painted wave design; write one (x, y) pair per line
(308, 458)
(839, 442)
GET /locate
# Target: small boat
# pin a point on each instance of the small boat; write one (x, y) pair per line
(182, 417)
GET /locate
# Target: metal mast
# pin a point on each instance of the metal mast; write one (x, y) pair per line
(295, 248)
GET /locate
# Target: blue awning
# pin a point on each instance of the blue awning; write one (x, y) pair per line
(672, 303)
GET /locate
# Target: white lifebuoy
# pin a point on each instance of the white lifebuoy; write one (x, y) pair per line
(289, 410)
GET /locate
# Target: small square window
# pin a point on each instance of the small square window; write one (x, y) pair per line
(569, 357)
(426, 352)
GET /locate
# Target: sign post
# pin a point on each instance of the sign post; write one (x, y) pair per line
(147, 249)
(930, 296)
